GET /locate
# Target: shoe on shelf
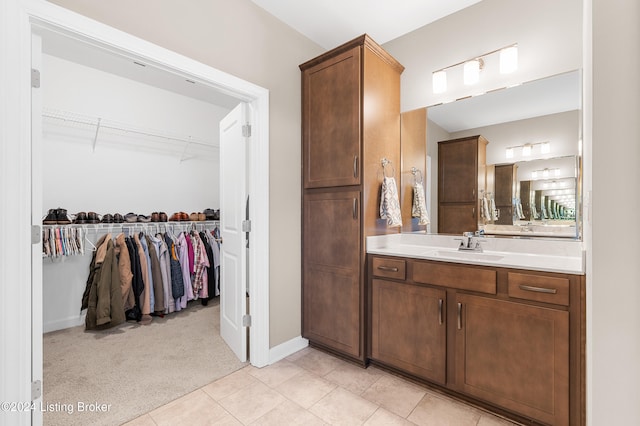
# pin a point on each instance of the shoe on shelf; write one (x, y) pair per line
(202, 217)
(92, 217)
(144, 219)
(175, 217)
(155, 217)
(81, 217)
(193, 217)
(163, 217)
(131, 217)
(209, 213)
(184, 216)
(216, 215)
(62, 217)
(107, 218)
(51, 218)
(117, 218)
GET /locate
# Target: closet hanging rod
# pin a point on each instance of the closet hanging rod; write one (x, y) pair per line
(102, 123)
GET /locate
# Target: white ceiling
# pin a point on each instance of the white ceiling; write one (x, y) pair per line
(332, 22)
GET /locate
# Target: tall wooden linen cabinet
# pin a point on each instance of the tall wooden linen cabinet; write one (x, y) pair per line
(350, 122)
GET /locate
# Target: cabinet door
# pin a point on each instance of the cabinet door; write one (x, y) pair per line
(331, 122)
(331, 270)
(457, 218)
(515, 356)
(408, 329)
(458, 171)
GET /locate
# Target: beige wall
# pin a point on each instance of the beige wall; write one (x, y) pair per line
(548, 33)
(239, 38)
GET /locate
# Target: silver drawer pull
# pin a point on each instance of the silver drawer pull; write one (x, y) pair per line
(538, 289)
(388, 268)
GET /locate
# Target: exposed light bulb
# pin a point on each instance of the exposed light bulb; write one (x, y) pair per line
(439, 81)
(471, 72)
(508, 60)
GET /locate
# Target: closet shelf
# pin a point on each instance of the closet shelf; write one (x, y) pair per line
(139, 225)
(111, 131)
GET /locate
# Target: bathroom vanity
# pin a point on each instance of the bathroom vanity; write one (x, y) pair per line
(503, 328)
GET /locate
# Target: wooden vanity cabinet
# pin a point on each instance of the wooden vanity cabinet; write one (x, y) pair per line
(350, 122)
(505, 191)
(461, 178)
(513, 339)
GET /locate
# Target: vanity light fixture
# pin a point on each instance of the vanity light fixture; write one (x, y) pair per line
(473, 66)
(527, 149)
(546, 173)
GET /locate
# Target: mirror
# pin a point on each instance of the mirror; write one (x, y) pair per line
(533, 154)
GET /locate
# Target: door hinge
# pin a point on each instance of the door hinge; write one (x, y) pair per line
(246, 226)
(36, 390)
(36, 232)
(246, 321)
(246, 130)
(35, 78)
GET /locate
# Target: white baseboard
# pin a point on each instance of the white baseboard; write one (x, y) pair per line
(287, 348)
(63, 323)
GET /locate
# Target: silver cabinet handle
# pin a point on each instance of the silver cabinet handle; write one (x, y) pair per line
(388, 268)
(538, 289)
(355, 166)
(459, 316)
(440, 320)
(355, 208)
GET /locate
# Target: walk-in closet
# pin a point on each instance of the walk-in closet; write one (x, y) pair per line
(129, 151)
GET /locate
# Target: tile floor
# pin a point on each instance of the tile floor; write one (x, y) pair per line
(311, 388)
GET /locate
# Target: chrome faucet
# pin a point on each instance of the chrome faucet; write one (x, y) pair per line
(469, 243)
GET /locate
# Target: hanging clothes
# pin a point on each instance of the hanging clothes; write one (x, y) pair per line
(183, 255)
(156, 273)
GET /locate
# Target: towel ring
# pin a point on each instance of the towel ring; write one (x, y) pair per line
(417, 175)
(386, 163)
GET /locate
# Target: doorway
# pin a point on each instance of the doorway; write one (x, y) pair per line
(59, 20)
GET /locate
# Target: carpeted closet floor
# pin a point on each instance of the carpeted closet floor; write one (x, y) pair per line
(110, 377)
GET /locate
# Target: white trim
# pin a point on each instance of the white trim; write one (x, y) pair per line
(15, 210)
(55, 17)
(287, 348)
(16, 19)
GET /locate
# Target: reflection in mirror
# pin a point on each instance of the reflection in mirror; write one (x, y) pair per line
(534, 136)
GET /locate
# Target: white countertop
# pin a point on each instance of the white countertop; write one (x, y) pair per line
(564, 256)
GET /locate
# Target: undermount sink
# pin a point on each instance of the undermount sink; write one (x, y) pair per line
(469, 255)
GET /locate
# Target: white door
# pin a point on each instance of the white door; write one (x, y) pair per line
(233, 193)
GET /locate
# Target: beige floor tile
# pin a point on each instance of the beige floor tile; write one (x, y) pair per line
(276, 374)
(289, 413)
(297, 355)
(145, 420)
(395, 394)
(341, 407)
(305, 389)
(354, 378)
(490, 420)
(318, 362)
(196, 408)
(230, 384)
(442, 411)
(252, 402)
(383, 417)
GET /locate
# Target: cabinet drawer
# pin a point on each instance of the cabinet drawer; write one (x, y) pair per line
(539, 288)
(389, 268)
(459, 277)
